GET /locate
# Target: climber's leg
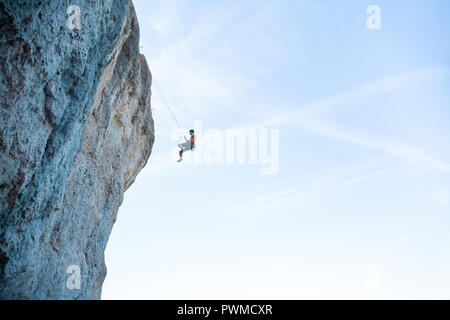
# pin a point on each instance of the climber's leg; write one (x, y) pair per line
(183, 147)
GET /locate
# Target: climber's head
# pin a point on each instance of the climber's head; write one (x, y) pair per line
(191, 131)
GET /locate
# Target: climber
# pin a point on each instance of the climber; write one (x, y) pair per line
(188, 145)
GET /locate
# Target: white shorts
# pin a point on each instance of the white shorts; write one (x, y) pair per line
(185, 146)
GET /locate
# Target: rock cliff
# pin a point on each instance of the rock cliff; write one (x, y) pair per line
(75, 129)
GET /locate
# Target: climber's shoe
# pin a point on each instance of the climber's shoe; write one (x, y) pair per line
(179, 160)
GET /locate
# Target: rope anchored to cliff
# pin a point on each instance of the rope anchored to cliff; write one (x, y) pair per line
(167, 105)
(188, 145)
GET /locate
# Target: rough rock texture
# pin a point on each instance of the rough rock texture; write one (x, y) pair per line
(75, 130)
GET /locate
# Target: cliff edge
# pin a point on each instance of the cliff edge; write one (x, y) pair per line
(75, 129)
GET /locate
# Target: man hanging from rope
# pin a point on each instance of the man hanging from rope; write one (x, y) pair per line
(188, 145)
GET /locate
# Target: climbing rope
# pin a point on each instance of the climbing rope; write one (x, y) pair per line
(167, 105)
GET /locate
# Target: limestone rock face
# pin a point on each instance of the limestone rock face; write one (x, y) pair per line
(75, 129)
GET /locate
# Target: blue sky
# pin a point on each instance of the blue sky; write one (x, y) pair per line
(359, 207)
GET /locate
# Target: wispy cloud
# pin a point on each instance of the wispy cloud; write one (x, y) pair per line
(392, 83)
(192, 81)
(311, 116)
(163, 18)
(441, 196)
(411, 154)
(299, 195)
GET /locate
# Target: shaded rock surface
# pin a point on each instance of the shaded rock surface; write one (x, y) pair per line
(75, 129)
